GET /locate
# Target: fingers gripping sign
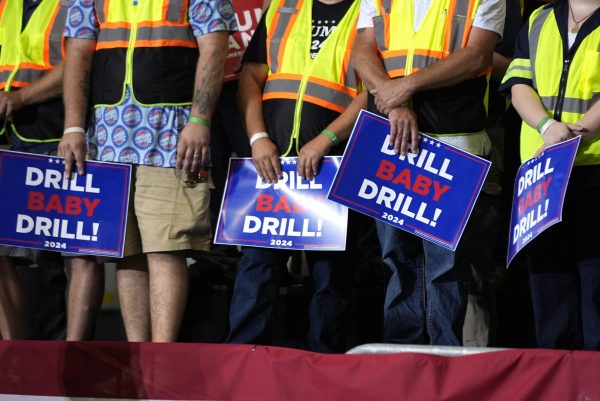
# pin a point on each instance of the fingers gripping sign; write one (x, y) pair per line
(73, 148)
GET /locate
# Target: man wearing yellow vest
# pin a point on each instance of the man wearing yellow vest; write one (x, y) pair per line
(554, 80)
(425, 64)
(31, 115)
(156, 70)
(299, 96)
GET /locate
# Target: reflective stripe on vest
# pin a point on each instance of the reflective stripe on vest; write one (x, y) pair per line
(406, 52)
(24, 57)
(566, 97)
(156, 26)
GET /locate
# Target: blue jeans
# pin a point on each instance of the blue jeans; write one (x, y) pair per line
(257, 283)
(426, 297)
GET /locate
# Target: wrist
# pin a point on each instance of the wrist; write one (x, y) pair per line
(256, 136)
(332, 137)
(200, 121)
(541, 123)
(546, 125)
(74, 130)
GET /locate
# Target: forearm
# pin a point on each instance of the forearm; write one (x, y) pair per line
(46, 88)
(591, 121)
(76, 82)
(250, 101)
(342, 126)
(366, 61)
(528, 104)
(209, 73)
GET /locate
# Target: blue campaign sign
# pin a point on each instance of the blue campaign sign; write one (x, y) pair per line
(293, 213)
(430, 194)
(539, 194)
(42, 209)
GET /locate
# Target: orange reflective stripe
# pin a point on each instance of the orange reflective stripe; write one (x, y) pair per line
(323, 103)
(285, 76)
(279, 95)
(430, 53)
(399, 72)
(448, 33)
(111, 45)
(395, 53)
(469, 23)
(160, 43)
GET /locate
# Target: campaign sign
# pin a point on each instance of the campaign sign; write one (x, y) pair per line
(539, 194)
(291, 214)
(42, 209)
(430, 194)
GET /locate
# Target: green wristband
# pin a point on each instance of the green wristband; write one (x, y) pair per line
(331, 136)
(200, 120)
(541, 124)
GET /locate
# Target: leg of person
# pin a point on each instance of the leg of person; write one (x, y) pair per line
(86, 290)
(173, 216)
(168, 294)
(404, 307)
(12, 301)
(333, 275)
(584, 238)
(132, 287)
(255, 293)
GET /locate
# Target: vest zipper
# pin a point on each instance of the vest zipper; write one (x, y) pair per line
(562, 89)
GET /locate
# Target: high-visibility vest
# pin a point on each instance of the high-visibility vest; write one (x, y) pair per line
(147, 45)
(25, 56)
(458, 109)
(567, 86)
(328, 80)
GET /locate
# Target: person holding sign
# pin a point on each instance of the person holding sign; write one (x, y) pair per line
(156, 70)
(31, 114)
(299, 95)
(554, 81)
(431, 77)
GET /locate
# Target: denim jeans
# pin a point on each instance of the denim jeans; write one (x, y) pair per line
(257, 283)
(427, 294)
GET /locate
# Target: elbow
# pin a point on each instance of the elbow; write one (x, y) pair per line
(481, 61)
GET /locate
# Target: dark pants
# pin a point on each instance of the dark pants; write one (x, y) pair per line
(564, 266)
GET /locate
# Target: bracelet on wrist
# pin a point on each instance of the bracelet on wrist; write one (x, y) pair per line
(546, 125)
(76, 130)
(256, 136)
(541, 123)
(200, 121)
(331, 136)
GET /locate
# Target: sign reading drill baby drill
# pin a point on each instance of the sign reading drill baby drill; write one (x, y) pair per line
(430, 194)
(293, 213)
(43, 209)
(539, 194)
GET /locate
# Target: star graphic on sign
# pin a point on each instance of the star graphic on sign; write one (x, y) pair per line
(294, 161)
(438, 145)
(51, 160)
(423, 139)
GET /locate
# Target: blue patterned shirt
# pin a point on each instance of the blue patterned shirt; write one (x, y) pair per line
(129, 132)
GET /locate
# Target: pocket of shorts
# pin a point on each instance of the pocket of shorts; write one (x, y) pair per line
(191, 211)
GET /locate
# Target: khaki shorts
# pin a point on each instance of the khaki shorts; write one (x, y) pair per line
(166, 213)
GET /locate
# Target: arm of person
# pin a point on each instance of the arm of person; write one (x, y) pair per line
(194, 139)
(366, 61)
(529, 106)
(500, 64)
(590, 122)
(264, 152)
(76, 85)
(465, 64)
(48, 87)
(312, 153)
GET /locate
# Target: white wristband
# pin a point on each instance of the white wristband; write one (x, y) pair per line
(255, 137)
(77, 130)
(546, 125)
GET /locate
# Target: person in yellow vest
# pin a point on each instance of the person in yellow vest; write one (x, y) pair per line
(425, 64)
(153, 72)
(297, 41)
(554, 81)
(31, 114)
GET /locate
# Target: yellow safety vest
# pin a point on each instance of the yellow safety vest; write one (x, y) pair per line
(456, 110)
(568, 87)
(148, 45)
(25, 56)
(328, 80)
